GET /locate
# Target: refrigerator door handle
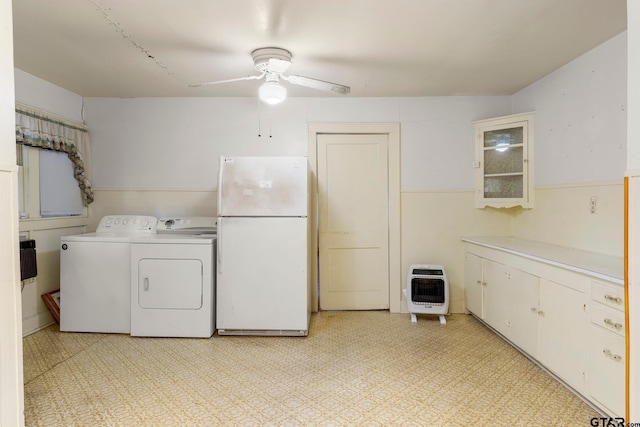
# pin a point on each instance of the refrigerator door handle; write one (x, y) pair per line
(220, 184)
(219, 242)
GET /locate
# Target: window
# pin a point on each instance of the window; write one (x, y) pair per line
(59, 191)
(53, 180)
(46, 186)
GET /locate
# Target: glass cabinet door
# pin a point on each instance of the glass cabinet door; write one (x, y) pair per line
(502, 151)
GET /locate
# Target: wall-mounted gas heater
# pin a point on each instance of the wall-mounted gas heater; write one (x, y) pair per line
(427, 291)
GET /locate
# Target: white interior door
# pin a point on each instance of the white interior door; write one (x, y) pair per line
(353, 201)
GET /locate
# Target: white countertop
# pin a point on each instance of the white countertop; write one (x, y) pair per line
(606, 267)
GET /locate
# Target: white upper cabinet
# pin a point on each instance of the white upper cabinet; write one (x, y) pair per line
(504, 161)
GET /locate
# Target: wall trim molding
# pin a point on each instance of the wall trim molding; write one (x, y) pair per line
(452, 190)
(53, 223)
(581, 185)
(164, 190)
(8, 168)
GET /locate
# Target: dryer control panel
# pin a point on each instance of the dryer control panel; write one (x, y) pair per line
(128, 224)
(187, 225)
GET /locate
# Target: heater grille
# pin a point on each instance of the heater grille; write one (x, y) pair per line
(28, 266)
(427, 291)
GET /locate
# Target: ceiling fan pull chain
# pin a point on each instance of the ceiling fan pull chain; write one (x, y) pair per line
(270, 121)
(259, 118)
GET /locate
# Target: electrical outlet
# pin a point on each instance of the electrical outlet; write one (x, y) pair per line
(593, 204)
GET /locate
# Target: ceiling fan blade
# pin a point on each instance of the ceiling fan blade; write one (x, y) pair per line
(228, 81)
(318, 84)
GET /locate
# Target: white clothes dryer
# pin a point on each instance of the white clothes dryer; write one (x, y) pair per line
(173, 280)
(95, 272)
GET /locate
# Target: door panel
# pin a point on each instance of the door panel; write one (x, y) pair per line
(523, 297)
(353, 221)
(473, 284)
(262, 279)
(496, 296)
(563, 349)
(170, 284)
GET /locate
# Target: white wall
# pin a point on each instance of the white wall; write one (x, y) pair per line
(580, 130)
(46, 96)
(438, 139)
(562, 216)
(146, 143)
(580, 151)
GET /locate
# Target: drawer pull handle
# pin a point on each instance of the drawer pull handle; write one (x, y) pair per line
(609, 298)
(611, 356)
(534, 310)
(479, 282)
(613, 324)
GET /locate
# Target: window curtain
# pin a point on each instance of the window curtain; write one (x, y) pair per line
(37, 129)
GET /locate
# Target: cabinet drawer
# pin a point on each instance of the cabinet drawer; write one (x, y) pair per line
(608, 294)
(607, 368)
(608, 318)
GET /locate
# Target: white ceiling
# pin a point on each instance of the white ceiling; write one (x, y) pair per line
(145, 48)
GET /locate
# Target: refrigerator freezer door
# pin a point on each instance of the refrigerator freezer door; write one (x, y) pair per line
(262, 186)
(262, 277)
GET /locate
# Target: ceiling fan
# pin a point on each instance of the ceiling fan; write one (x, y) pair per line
(272, 63)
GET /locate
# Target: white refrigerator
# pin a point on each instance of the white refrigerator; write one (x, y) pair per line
(262, 285)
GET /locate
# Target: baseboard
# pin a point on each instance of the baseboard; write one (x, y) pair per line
(37, 322)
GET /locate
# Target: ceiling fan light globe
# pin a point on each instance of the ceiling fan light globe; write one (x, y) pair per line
(272, 93)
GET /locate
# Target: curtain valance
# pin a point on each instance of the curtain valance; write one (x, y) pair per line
(38, 129)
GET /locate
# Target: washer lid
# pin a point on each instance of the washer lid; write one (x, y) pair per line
(98, 237)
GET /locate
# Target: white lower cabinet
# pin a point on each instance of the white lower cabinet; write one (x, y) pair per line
(564, 332)
(569, 322)
(522, 310)
(607, 368)
(473, 284)
(497, 300)
(505, 298)
(511, 304)
(607, 354)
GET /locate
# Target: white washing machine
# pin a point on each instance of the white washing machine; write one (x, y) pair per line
(95, 275)
(173, 279)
